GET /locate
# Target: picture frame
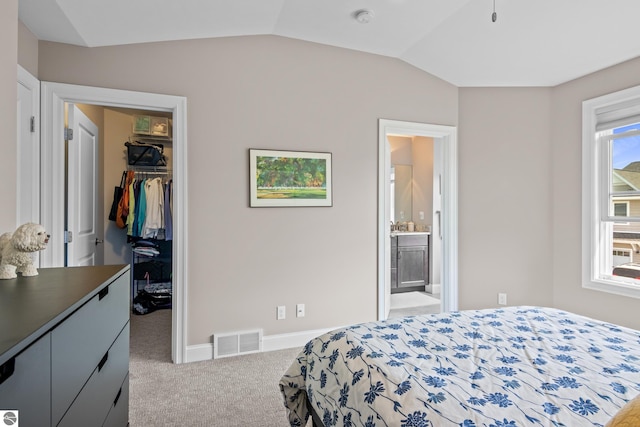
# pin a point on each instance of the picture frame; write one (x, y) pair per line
(159, 126)
(281, 178)
(141, 124)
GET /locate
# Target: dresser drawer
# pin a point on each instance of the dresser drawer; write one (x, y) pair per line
(97, 396)
(79, 343)
(26, 384)
(119, 413)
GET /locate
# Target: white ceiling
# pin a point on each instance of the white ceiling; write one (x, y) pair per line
(532, 43)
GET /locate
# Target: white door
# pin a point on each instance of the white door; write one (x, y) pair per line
(28, 149)
(435, 248)
(445, 137)
(82, 190)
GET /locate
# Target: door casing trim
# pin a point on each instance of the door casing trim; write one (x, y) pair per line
(53, 97)
(449, 226)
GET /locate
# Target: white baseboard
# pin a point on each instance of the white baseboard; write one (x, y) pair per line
(293, 339)
(200, 352)
(433, 288)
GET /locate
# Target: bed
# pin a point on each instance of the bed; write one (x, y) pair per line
(509, 367)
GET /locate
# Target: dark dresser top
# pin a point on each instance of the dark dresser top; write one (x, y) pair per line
(31, 306)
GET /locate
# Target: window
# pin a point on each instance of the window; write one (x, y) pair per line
(620, 208)
(622, 252)
(611, 190)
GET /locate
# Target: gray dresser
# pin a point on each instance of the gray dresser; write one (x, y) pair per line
(64, 347)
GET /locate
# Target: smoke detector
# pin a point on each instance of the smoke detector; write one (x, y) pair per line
(363, 16)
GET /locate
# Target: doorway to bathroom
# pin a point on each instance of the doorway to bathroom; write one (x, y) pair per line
(433, 215)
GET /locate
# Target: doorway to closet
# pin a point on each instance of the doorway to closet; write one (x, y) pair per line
(54, 96)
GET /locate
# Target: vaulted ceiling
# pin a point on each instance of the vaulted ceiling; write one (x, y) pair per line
(531, 43)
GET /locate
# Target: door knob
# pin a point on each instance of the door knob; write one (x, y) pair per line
(98, 241)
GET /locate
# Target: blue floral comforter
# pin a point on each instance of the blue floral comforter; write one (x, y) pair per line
(516, 366)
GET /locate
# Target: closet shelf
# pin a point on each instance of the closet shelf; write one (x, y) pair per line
(149, 138)
(151, 170)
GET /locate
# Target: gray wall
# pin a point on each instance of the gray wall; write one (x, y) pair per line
(519, 175)
(505, 209)
(8, 113)
(271, 92)
(566, 143)
(27, 49)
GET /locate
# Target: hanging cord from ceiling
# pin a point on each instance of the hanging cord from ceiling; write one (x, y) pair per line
(494, 15)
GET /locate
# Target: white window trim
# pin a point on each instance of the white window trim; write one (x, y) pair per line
(592, 228)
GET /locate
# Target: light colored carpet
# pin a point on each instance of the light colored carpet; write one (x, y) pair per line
(236, 391)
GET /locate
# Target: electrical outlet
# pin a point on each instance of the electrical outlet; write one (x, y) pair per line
(299, 310)
(502, 299)
(282, 312)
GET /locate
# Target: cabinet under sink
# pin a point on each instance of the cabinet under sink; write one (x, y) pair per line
(409, 262)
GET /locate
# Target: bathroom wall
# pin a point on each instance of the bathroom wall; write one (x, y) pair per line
(416, 151)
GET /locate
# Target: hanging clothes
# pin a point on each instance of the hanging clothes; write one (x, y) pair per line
(168, 220)
(132, 208)
(123, 206)
(154, 214)
(142, 211)
(149, 207)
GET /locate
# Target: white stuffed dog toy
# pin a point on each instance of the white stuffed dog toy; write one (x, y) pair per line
(16, 250)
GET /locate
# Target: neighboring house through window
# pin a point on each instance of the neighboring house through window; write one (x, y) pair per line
(611, 192)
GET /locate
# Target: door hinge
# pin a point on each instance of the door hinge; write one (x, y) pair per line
(33, 124)
(68, 236)
(68, 134)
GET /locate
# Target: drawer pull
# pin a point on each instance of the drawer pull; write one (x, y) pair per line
(103, 361)
(115, 402)
(6, 370)
(103, 293)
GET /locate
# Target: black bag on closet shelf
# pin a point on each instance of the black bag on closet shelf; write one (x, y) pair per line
(143, 154)
(117, 195)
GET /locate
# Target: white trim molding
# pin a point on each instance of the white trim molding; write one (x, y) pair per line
(201, 352)
(28, 186)
(449, 226)
(53, 99)
(598, 114)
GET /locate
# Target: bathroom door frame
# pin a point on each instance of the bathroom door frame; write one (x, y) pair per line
(447, 136)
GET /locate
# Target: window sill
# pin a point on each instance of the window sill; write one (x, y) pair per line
(614, 287)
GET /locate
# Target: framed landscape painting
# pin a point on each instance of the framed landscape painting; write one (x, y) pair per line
(289, 178)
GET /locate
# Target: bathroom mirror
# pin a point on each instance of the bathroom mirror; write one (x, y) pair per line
(401, 192)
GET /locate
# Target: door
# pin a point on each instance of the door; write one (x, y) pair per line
(54, 99)
(435, 250)
(82, 190)
(28, 149)
(446, 138)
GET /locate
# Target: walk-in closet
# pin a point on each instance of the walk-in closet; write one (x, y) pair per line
(136, 175)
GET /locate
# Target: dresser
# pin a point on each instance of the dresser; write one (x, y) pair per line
(64, 346)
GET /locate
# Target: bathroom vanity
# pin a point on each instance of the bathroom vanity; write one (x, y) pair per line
(409, 261)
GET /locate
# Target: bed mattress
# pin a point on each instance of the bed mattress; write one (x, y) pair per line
(515, 366)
